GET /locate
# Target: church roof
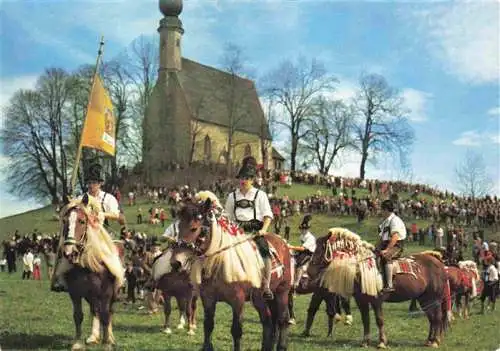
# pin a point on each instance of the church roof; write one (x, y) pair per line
(276, 155)
(209, 94)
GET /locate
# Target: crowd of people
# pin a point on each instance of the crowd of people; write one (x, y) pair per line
(450, 216)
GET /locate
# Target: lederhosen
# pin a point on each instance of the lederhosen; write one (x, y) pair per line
(253, 225)
(302, 257)
(393, 253)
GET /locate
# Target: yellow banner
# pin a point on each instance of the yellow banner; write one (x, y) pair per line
(99, 129)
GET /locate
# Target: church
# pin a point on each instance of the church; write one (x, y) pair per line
(196, 112)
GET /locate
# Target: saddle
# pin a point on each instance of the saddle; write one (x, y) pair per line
(405, 265)
(276, 264)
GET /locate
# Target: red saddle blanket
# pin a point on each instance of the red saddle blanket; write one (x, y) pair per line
(405, 265)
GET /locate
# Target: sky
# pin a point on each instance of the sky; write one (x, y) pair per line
(443, 57)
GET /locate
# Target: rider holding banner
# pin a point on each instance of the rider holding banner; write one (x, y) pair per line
(110, 210)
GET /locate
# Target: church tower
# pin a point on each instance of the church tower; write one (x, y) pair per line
(170, 37)
(167, 123)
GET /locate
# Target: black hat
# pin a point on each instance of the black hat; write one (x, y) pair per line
(305, 222)
(388, 205)
(93, 173)
(248, 168)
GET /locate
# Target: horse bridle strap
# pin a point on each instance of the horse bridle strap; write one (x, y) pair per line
(226, 248)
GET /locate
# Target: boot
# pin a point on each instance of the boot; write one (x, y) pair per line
(388, 278)
(298, 275)
(267, 293)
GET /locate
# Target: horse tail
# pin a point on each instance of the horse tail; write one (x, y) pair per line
(446, 306)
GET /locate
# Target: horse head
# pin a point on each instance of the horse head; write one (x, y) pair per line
(182, 257)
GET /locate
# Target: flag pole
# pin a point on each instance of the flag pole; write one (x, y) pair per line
(79, 150)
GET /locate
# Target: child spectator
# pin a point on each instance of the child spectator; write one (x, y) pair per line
(131, 283)
(37, 262)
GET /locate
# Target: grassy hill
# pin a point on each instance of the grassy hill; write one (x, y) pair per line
(33, 318)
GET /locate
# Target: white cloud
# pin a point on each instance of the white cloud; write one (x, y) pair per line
(8, 86)
(465, 37)
(417, 102)
(494, 111)
(474, 138)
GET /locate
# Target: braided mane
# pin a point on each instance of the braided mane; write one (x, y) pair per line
(350, 258)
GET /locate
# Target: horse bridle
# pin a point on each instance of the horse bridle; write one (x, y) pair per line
(79, 244)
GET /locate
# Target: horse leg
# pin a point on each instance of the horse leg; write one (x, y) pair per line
(467, 305)
(282, 316)
(236, 327)
(190, 311)
(78, 319)
(96, 325)
(346, 306)
(314, 304)
(379, 319)
(105, 317)
(431, 314)
(364, 309)
(265, 319)
(208, 323)
(167, 310)
(193, 307)
(182, 306)
(331, 311)
(291, 307)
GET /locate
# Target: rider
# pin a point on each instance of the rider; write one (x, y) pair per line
(392, 235)
(305, 250)
(250, 208)
(110, 209)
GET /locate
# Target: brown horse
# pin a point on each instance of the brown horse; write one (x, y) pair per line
(347, 265)
(227, 267)
(87, 277)
(464, 282)
(175, 282)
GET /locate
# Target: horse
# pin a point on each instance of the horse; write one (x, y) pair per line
(88, 278)
(348, 267)
(175, 282)
(227, 267)
(464, 282)
(332, 301)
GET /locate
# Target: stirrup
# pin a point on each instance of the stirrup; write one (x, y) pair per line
(388, 289)
(268, 295)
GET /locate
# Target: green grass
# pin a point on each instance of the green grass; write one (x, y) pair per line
(33, 318)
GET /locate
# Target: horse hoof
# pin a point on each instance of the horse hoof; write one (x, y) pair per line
(167, 331)
(92, 340)
(77, 346)
(180, 326)
(337, 318)
(305, 334)
(432, 344)
(381, 346)
(108, 347)
(348, 320)
(364, 344)
(193, 327)
(292, 321)
(191, 332)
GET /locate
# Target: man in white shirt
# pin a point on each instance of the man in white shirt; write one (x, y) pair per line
(171, 234)
(27, 264)
(305, 250)
(110, 210)
(250, 208)
(390, 247)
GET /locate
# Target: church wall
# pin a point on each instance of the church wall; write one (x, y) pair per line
(218, 140)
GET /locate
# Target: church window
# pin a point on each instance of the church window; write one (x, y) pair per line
(248, 150)
(178, 42)
(207, 148)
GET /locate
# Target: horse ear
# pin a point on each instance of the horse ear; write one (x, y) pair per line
(207, 205)
(66, 200)
(85, 199)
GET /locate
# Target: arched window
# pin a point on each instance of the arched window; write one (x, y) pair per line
(248, 150)
(207, 148)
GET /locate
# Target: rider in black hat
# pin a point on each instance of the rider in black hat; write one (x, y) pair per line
(305, 250)
(390, 247)
(110, 209)
(250, 208)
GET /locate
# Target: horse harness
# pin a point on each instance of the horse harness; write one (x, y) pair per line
(254, 224)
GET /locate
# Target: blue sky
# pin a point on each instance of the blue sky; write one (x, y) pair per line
(443, 56)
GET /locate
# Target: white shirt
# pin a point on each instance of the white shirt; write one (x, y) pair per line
(108, 202)
(440, 232)
(262, 206)
(28, 261)
(172, 231)
(395, 225)
(37, 261)
(492, 274)
(308, 241)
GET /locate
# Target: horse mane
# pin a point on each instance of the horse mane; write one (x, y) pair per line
(99, 247)
(469, 265)
(350, 256)
(432, 253)
(229, 258)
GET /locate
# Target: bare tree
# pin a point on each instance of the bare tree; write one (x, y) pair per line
(329, 132)
(34, 138)
(233, 92)
(294, 86)
(472, 178)
(381, 124)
